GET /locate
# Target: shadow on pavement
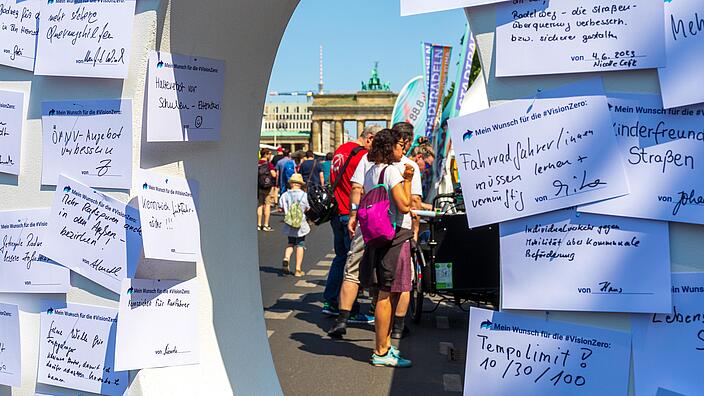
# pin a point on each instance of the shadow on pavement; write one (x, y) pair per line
(318, 345)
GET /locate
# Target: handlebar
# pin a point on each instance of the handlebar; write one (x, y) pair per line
(425, 213)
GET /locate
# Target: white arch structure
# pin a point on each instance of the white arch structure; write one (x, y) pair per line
(235, 356)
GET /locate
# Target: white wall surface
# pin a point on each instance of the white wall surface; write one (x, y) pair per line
(235, 355)
(686, 247)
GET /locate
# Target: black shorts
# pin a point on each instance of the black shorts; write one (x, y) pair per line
(297, 241)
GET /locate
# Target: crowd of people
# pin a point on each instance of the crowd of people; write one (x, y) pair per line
(382, 168)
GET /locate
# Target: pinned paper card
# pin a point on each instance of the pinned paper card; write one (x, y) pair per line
(413, 7)
(169, 309)
(668, 349)
(19, 24)
(170, 226)
(681, 80)
(11, 105)
(77, 349)
(664, 153)
(89, 140)
(506, 352)
(22, 268)
(93, 234)
(585, 36)
(10, 353)
(184, 97)
(568, 261)
(80, 38)
(532, 156)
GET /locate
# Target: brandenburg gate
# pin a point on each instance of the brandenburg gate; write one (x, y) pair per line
(374, 103)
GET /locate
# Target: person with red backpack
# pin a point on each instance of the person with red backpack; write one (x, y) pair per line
(266, 179)
(387, 258)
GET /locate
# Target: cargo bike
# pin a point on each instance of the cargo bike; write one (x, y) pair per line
(452, 261)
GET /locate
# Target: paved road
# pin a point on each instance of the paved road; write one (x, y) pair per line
(310, 363)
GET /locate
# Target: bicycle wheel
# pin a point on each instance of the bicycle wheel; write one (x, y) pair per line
(416, 303)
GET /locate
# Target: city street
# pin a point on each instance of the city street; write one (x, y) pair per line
(308, 362)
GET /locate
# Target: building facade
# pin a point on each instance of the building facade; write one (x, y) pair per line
(286, 125)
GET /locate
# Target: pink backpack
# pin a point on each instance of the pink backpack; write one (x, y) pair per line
(373, 214)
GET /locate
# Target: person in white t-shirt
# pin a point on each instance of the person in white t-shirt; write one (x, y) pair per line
(388, 268)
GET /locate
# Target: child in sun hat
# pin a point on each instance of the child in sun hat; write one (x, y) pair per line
(294, 203)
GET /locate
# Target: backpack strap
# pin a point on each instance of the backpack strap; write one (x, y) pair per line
(354, 152)
(381, 175)
(310, 177)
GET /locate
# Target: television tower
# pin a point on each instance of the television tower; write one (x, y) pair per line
(320, 84)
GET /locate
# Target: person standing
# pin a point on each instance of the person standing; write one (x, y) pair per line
(294, 203)
(279, 155)
(352, 152)
(266, 179)
(285, 167)
(310, 170)
(388, 267)
(325, 166)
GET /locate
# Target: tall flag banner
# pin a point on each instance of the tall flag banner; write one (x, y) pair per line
(464, 72)
(441, 141)
(427, 51)
(410, 105)
(436, 81)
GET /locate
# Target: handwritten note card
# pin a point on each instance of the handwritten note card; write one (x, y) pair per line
(533, 156)
(77, 349)
(11, 105)
(93, 234)
(565, 260)
(681, 80)
(413, 7)
(184, 97)
(85, 38)
(89, 140)
(506, 352)
(19, 23)
(169, 219)
(578, 36)
(10, 353)
(169, 309)
(22, 268)
(668, 349)
(664, 152)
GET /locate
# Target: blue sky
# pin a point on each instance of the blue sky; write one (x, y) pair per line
(354, 35)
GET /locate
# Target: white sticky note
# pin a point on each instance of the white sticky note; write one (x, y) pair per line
(77, 349)
(533, 156)
(11, 111)
(664, 153)
(19, 24)
(567, 261)
(93, 234)
(578, 36)
(668, 349)
(10, 347)
(414, 7)
(509, 354)
(681, 79)
(170, 225)
(169, 309)
(23, 268)
(89, 140)
(85, 39)
(184, 97)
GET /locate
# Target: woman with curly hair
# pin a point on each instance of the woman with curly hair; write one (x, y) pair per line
(388, 267)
